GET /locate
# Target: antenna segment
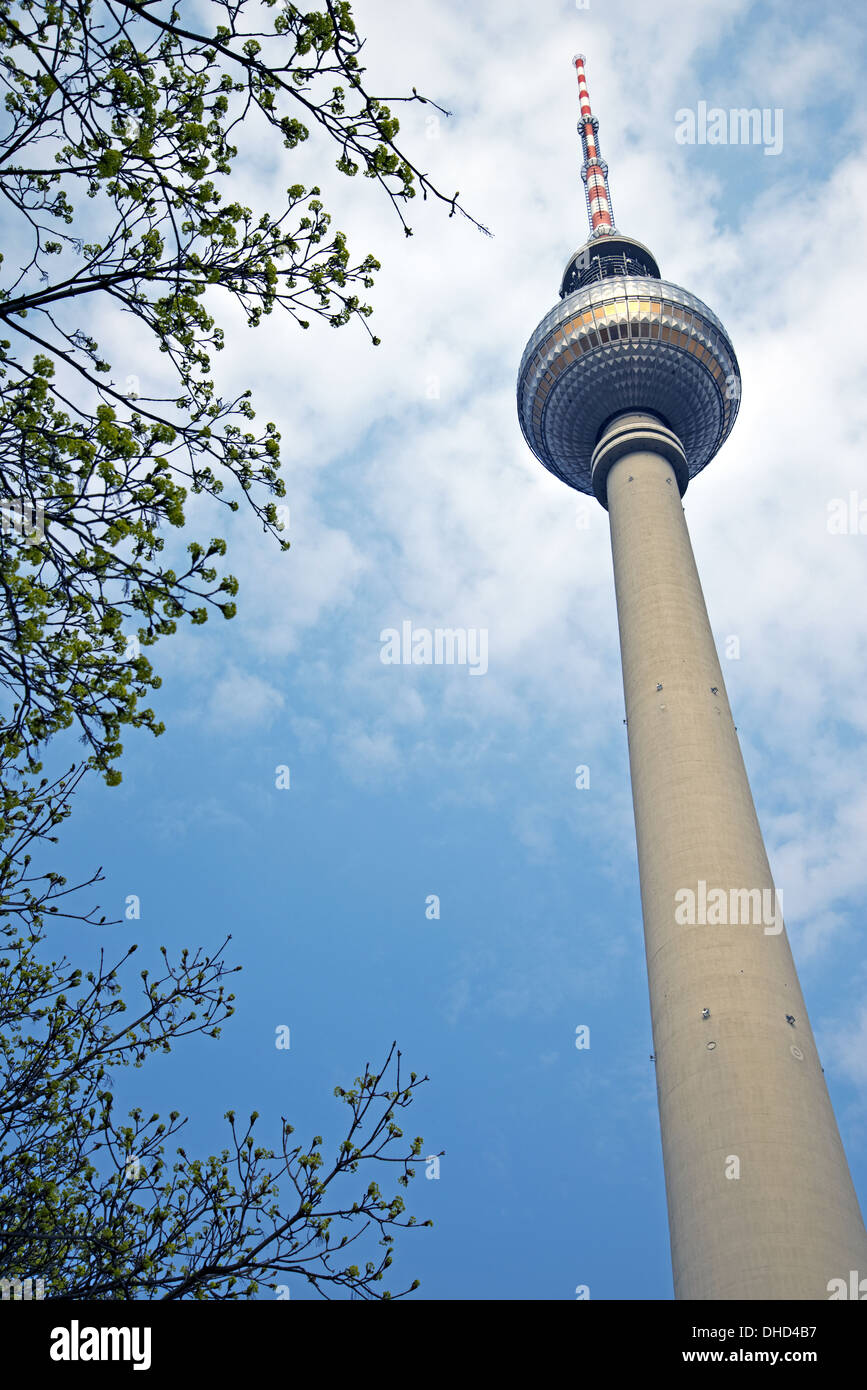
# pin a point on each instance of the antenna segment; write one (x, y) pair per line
(594, 170)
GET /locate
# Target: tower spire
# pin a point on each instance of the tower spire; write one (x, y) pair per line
(594, 170)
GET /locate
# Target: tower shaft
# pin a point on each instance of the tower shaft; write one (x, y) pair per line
(761, 1203)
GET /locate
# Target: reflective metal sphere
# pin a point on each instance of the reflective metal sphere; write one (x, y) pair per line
(626, 343)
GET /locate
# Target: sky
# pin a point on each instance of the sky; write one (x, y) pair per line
(413, 498)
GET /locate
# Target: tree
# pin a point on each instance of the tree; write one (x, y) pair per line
(90, 1205)
(116, 161)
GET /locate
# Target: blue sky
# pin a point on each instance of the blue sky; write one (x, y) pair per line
(413, 497)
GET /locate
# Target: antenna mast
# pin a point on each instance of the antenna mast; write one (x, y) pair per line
(594, 171)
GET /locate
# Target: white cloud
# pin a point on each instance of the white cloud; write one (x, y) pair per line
(240, 701)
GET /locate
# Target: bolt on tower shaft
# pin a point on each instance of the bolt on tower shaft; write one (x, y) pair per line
(627, 389)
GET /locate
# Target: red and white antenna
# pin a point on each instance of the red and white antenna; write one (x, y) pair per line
(594, 171)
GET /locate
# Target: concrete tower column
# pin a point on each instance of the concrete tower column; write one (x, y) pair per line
(760, 1199)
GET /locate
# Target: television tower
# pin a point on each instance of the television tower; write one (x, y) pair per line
(626, 390)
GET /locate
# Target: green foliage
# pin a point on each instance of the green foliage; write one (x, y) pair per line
(115, 161)
(123, 119)
(89, 1201)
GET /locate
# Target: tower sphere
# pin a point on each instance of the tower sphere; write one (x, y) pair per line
(621, 340)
